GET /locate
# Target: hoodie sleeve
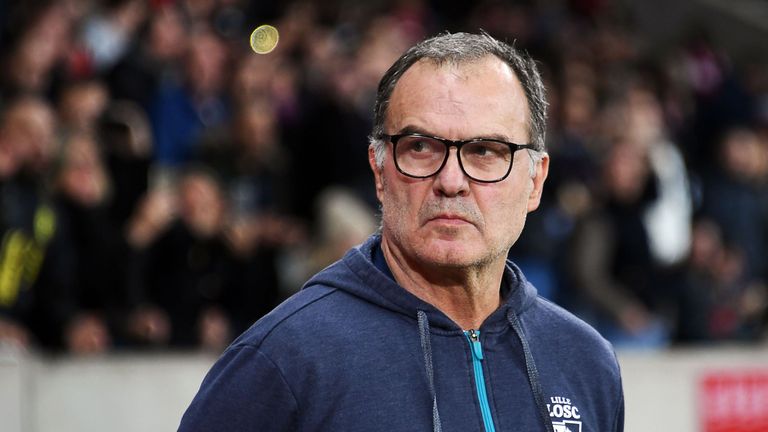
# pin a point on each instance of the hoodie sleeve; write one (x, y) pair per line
(244, 391)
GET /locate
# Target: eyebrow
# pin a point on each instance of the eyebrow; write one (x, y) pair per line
(409, 129)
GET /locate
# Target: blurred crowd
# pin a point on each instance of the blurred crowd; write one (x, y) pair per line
(163, 186)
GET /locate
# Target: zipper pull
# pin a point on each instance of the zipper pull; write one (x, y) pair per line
(474, 343)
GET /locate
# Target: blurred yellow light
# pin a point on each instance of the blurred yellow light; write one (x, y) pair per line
(264, 39)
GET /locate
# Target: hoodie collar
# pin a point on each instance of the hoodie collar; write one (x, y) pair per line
(358, 274)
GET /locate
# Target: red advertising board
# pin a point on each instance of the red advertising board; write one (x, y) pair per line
(734, 401)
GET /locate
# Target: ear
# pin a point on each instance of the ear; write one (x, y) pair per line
(377, 172)
(542, 169)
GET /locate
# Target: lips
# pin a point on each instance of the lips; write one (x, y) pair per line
(453, 220)
(448, 218)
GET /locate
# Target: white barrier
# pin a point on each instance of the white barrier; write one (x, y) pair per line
(11, 391)
(663, 391)
(116, 393)
(131, 392)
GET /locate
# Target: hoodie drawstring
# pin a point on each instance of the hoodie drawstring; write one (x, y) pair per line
(533, 373)
(530, 365)
(426, 348)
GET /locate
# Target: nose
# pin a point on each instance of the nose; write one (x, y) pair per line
(451, 180)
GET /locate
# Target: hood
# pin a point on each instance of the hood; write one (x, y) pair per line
(357, 274)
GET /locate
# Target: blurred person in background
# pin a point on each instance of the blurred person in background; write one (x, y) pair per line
(719, 100)
(696, 286)
(37, 306)
(108, 32)
(262, 78)
(257, 178)
(154, 213)
(639, 228)
(716, 300)
(94, 246)
(194, 285)
(80, 104)
(315, 118)
(668, 218)
(182, 271)
(154, 58)
(181, 111)
(126, 141)
(42, 35)
(610, 260)
(735, 195)
(250, 159)
(268, 91)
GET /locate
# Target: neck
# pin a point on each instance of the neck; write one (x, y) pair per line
(467, 295)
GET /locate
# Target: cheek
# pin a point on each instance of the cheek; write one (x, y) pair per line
(395, 203)
(400, 204)
(505, 212)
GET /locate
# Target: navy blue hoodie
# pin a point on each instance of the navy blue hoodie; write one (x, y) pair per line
(354, 351)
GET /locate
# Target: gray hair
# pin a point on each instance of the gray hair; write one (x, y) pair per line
(458, 48)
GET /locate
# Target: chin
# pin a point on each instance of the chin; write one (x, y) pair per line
(453, 253)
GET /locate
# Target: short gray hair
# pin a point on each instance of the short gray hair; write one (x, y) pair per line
(458, 48)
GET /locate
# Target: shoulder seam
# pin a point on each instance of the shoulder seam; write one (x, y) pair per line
(620, 405)
(277, 324)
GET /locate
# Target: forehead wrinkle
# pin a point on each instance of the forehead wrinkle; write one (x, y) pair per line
(451, 105)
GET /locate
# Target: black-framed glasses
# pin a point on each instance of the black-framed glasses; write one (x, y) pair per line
(483, 160)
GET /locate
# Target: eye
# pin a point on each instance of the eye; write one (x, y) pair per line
(479, 150)
(486, 150)
(419, 145)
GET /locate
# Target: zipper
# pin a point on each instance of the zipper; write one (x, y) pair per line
(473, 336)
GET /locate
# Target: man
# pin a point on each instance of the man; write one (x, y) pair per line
(426, 326)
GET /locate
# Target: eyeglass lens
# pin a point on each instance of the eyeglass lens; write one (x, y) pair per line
(420, 156)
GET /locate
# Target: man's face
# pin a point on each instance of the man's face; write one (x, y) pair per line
(448, 219)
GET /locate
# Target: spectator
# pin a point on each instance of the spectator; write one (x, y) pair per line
(256, 174)
(36, 301)
(153, 59)
(80, 104)
(126, 139)
(610, 260)
(39, 47)
(181, 111)
(93, 246)
(251, 161)
(734, 196)
(187, 271)
(717, 301)
(668, 218)
(108, 33)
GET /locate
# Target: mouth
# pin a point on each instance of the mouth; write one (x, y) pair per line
(449, 219)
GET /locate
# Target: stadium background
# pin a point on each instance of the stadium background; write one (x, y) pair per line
(172, 186)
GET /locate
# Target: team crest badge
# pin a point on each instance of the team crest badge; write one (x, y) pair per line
(564, 414)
